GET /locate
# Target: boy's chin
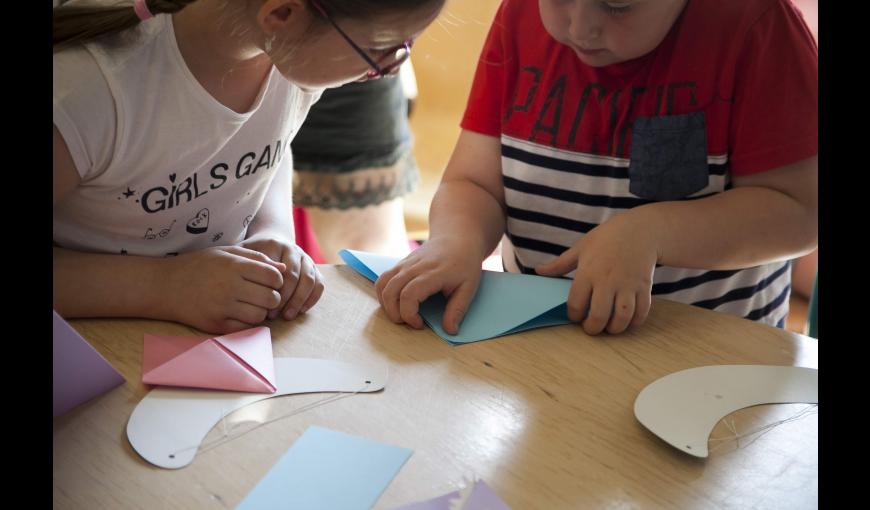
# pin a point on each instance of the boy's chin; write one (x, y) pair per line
(600, 58)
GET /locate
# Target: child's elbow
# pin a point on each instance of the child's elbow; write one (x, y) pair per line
(807, 231)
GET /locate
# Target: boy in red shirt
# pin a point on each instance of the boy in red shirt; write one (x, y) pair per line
(642, 147)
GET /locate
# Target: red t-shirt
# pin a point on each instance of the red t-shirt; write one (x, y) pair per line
(751, 66)
(731, 90)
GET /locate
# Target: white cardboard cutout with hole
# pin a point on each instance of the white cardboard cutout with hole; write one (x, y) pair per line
(682, 408)
(169, 424)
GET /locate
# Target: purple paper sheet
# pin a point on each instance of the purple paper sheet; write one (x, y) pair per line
(481, 498)
(79, 372)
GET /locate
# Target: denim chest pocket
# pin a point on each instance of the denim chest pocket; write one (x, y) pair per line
(668, 157)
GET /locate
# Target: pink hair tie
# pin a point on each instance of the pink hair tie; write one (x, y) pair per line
(141, 9)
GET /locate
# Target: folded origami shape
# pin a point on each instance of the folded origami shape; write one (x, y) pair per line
(79, 373)
(505, 303)
(241, 361)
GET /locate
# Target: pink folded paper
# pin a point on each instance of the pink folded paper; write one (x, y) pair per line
(241, 361)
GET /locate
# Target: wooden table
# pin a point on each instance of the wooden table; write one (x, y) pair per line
(544, 417)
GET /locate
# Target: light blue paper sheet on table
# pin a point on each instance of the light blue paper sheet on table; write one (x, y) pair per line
(328, 470)
(505, 303)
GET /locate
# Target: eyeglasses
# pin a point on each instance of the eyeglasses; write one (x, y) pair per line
(398, 53)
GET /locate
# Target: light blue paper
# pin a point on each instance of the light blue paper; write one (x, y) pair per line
(327, 470)
(505, 303)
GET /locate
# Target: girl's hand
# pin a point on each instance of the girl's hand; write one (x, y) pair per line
(613, 284)
(222, 289)
(303, 284)
(436, 266)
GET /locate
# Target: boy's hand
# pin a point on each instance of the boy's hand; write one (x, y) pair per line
(222, 289)
(436, 266)
(303, 284)
(613, 284)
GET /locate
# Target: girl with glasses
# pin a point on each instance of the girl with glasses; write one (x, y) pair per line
(172, 127)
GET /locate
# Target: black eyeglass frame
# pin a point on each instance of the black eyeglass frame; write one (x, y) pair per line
(376, 71)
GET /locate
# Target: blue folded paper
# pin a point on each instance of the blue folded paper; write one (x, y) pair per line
(505, 303)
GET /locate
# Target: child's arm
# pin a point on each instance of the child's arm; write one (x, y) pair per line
(271, 233)
(466, 221)
(765, 217)
(218, 290)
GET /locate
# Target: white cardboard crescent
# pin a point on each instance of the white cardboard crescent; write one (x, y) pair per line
(168, 422)
(682, 408)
